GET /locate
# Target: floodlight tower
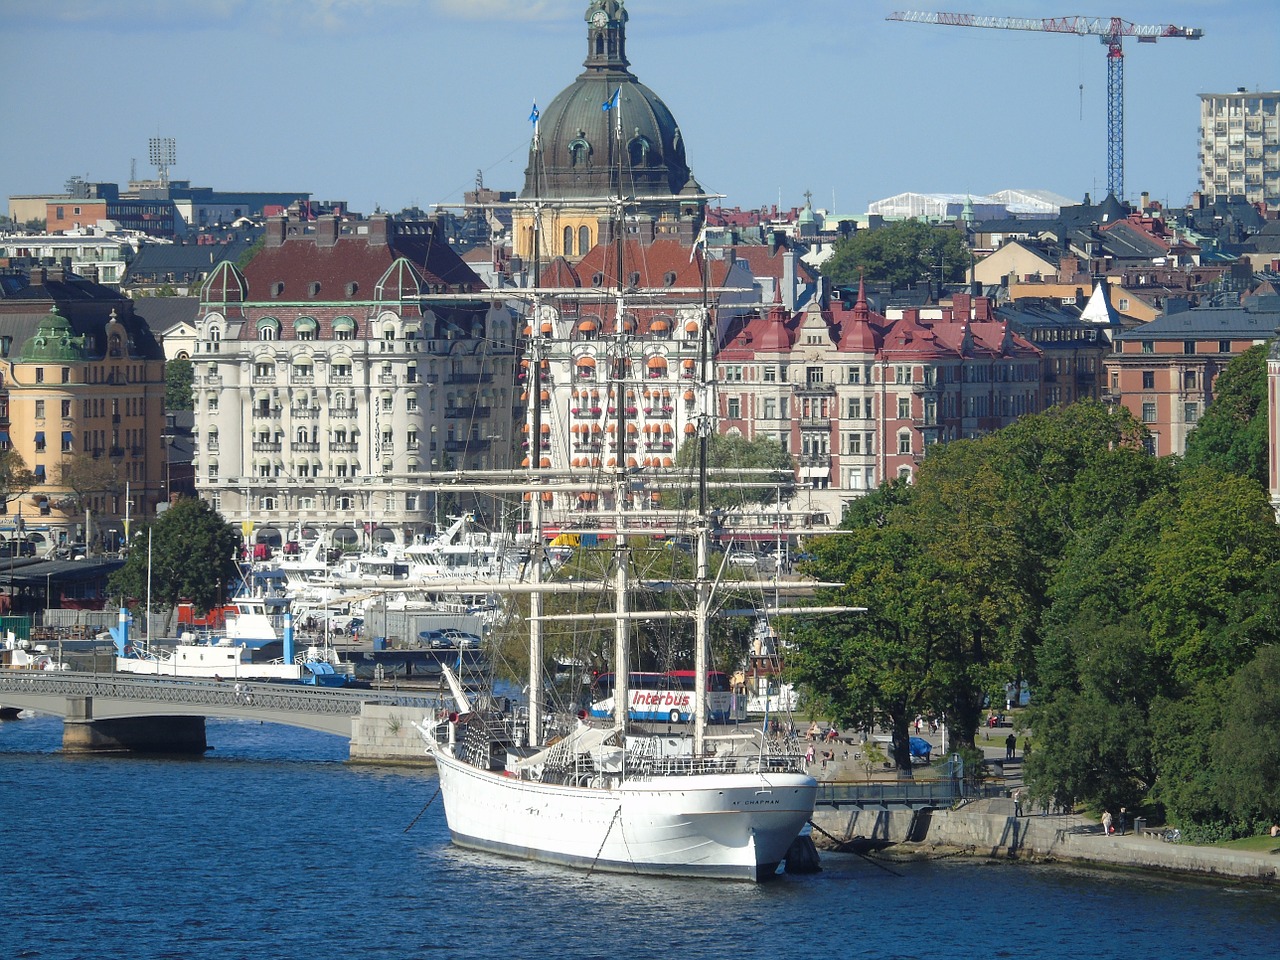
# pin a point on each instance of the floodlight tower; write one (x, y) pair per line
(164, 154)
(1109, 30)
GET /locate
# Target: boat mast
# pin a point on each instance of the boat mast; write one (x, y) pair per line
(703, 522)
(618, 380)
(535, 461)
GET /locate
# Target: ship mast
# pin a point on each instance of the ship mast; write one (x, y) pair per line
(701, 623)
(618, 382)
(536, 547)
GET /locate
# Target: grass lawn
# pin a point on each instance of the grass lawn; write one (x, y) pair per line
(1262, 844)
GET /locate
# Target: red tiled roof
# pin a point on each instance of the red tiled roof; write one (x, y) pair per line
(300, 262)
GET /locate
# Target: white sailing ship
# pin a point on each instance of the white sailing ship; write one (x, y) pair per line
(609, 794)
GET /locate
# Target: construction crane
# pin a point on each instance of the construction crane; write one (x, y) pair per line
(1110, 30)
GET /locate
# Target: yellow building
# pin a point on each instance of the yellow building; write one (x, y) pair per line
(84, 390)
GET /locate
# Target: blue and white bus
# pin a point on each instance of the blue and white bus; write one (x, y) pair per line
(666, 697)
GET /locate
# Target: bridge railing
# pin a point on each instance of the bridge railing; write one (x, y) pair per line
(272, 696)
(897, 793)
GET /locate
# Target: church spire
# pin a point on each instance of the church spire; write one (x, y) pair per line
(606, 37)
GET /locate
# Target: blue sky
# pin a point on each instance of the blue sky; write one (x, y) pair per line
(400, 102)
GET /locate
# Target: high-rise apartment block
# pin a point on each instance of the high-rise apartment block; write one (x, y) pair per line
(1240, 146)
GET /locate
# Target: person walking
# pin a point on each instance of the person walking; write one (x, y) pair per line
(1106, 823)
(1010, 746)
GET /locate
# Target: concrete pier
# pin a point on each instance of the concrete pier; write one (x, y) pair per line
(385, 734)
(81, 733)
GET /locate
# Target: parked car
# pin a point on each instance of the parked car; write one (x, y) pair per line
(460, 638)
(435, 639)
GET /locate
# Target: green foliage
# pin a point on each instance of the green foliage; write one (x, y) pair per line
(1247, 746)
(178, 376)
(1232, 433)
(734, 465)
(242, 261)
(15, 478)
(192, 557)
(900, 254)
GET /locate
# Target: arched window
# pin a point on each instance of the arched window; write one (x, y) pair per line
(268, 329)
(584, 240)
(568, 241)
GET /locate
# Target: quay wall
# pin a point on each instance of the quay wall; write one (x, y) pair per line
(384, 734)
(990, 829)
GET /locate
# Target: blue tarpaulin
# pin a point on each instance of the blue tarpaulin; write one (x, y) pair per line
(920, 747)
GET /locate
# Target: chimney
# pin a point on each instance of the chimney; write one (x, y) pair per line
(326, 230)
(960, 305)
(379, 228)
(982, 309)
(275, 230)
(789, 280)
(1145, 201)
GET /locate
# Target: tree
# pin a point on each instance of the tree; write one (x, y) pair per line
(1247, 746)
(1232, 433)
(192, 557)
(250, 252)
(15, 478)
(178, 380)
(900, 254)
(729, 456)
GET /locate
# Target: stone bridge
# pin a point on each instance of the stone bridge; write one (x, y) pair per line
(119, 712)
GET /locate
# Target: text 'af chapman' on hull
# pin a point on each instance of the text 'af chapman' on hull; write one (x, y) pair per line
(606, 792)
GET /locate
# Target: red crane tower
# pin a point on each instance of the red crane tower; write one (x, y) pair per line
(1109, 30)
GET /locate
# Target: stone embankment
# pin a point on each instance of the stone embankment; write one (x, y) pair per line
(989, 828)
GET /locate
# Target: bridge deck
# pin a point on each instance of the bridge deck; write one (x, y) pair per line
(325, 709)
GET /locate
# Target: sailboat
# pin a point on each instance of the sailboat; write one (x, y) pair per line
(609, 794)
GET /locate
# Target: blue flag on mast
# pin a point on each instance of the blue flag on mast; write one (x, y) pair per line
(533, 114)
(612, 101)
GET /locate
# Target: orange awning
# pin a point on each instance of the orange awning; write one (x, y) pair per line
(688, 395)
(691, 326)
(659, 326)
(659, 363)
(690, 428)
(586, 361)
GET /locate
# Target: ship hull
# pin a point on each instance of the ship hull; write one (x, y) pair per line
(735, 826)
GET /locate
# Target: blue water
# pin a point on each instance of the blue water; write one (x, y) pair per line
(272, 847)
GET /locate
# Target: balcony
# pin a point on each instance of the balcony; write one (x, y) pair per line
(469, 378)
(261, 447)
(466, 413)
(344, 447)
(343, 413)
(304, 413)
(305, 447)
(816, 388)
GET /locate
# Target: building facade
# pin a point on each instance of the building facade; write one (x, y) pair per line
(83, 404)
(1240, 146)
(1164, 371)
(858, 398)
(346, 362)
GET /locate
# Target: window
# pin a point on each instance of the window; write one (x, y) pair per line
(568, 241)
(266, 503)
(411, 499)
(66, 408)
(388, 401)
(1148, 347)
(813, 376)
(770, 375)
(212, 402)
(901, 374)
(66, 374)
(1148, 379)
(1224, 346)
(1191, 412)
(734, 408)
(40, 410)
(411, 401)
(855, 374)
(1149, 412)
(855, 443)
(345, 502)
(770, 409)
(1123, 305)
(904, 442)
(904, 408)
(1188, 346)
(39, 374)
(854, 408)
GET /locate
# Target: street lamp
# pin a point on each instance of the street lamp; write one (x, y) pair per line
(116, 456)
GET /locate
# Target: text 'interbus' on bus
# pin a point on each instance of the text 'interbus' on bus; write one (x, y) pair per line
(666, 697)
